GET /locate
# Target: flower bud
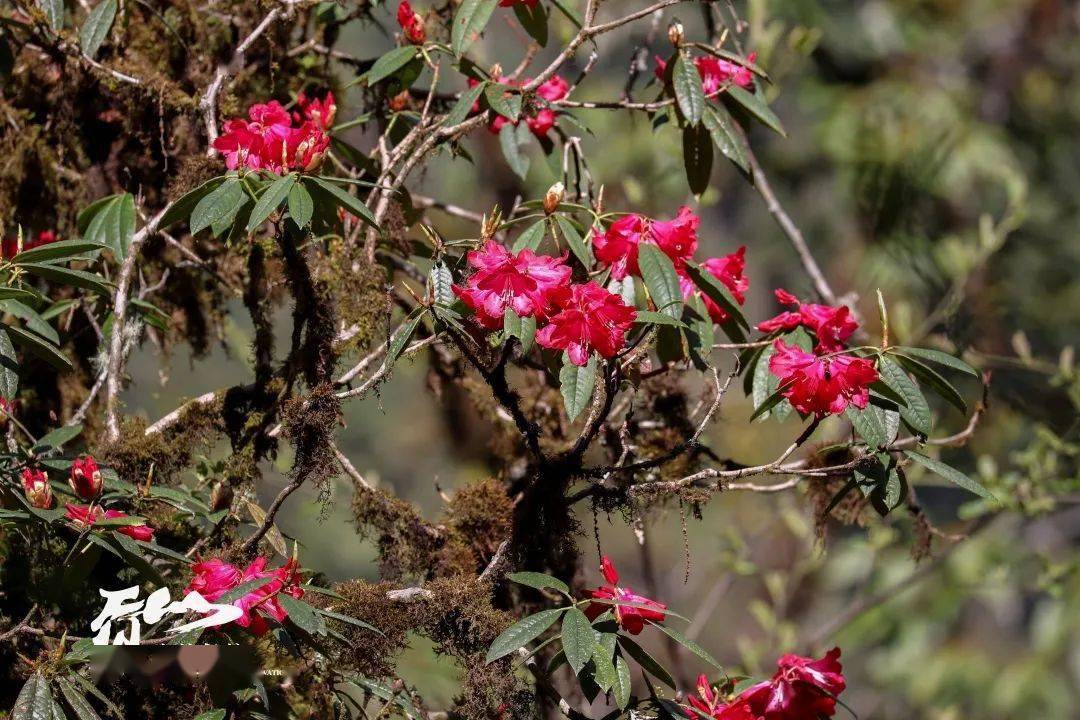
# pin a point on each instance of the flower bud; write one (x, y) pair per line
(400, 101)
(37, 489)
(675, 33)
(553, 197)
(221, 497)
(85, 478)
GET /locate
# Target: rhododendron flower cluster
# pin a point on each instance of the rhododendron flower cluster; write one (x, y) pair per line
(632, 611)
(411, 22)
(523, 282)
(272, 139)
(11, 244)
(586, 318)
(832, 325)
(85, 478)
(86, 515)
(716, 73)
(36, 486)
(618, 247)
(826, 381)
(802, 689)
(215, 577)
(821, 384)
(541, 120)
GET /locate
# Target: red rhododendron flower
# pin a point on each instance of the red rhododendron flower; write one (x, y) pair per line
(728, 270)
(412, 24)
(677, 237)
(269, 141)
(618, 245)
(36, 486)
(85, 478)
(832, 325)
(262, 602)
(821, 384)
(801, 689)
(630, 617)
(709, 703)
(522, 281)
(142, 531)
(716, 72)
(586, 317)
(7, 409)
(215, 577)
(83, 515)
(553, 89)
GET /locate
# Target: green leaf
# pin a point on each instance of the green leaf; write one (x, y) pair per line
(401, 338)
(34, 701)
(54, 13)
(870, 424)
(697, 157)
(715, 290)
(689, 645)
(522, 633)
(576, 385)
(501, 100)
(688, 91)
(951, 474)
(917, 412)
(113, 224)
(757, 107)
(182, 208)
(40, 347)
(538, 581)
(270, 200)
(9, 367)
(216, 205)
(440, 284)
(647, 662)
(67, 276)
(523, 328)
(577, 639)
(933, 380)
(96, 28)
(660, 278)
(936, 356)
(464, 105)
(301, 206)
(302, 615)
(726, 135)
(511, 150)
(883, 482)
(57, 438)
(346, 200)
(604, 669)
(349, 620)
(57, 251)
(622, 683)
(581, 249)
(768, 404)
(535, 21)
(391, 62)
(655, 318)
(243, 589)
(76, 700)
(469, 21)
(531, 237)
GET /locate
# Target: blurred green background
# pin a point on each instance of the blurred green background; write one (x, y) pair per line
(933, 152)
